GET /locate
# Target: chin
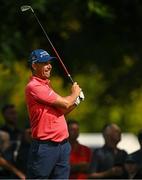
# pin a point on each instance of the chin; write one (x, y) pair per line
(46, 76)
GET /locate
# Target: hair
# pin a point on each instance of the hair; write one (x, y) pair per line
(7, 106)
(72, 121)
(30, 66)
(105, 128)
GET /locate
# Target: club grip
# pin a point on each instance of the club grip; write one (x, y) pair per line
(81, 96)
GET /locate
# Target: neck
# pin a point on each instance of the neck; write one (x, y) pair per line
(72, 141)
(38, 76)
(111, 145)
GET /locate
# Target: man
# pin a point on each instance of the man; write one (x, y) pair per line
(10, 116)
(7, 169)
(4, 164)
(132, 168)
(50, 149)
(108, 161)
(22, 158)
(10, 125)
(80, 156)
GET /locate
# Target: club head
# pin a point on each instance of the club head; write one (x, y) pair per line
(26, 8)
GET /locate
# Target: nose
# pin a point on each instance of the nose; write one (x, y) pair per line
(49, 66)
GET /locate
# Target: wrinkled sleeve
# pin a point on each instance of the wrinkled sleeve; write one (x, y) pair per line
(43, 94)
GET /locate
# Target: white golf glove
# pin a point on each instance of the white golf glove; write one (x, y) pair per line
(77, 102)
(80, 98)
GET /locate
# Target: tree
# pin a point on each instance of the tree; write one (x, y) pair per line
(100, 43)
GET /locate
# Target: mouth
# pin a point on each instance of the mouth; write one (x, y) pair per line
(47, 72)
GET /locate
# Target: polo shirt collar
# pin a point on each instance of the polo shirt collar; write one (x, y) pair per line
(44, 81)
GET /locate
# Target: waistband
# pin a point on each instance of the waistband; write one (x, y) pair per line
(50, 142)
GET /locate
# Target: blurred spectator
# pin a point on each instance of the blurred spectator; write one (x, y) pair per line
(8, 166)
(7, 170)
(23, 152)
(4, 141)
(10, 116)
(108, 161)
(138, 154)
(6, 149)
(80, 156)
(132, 168)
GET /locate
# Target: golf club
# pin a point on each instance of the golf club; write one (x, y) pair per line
(26, 8)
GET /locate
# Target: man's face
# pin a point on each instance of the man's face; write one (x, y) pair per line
(113, 134)
(73, 131)
(10, 115)
(42, 70)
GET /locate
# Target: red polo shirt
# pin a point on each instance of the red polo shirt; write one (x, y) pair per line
(47, 122)
(79, 154)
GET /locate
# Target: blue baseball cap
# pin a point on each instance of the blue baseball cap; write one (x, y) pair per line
(40, 56)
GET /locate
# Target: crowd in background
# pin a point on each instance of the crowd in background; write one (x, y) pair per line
(106, 162)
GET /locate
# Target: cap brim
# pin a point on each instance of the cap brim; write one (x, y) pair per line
(46, 59)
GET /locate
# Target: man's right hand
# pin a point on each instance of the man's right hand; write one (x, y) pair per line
(68, 103)
(76, 89)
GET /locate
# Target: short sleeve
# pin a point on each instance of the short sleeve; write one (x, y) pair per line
(44, 94)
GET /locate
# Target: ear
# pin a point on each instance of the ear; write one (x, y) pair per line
(34, 66)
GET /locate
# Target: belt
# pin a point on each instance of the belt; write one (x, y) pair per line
(50, 142)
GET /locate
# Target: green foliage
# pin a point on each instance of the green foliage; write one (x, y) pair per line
(100, 8)
(13, 81)
(99, 41)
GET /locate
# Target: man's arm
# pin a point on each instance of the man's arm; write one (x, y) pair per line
(114, 171)
(47, 96)
(4, 163)
(80, 167)
(66, 111)
(68, 103)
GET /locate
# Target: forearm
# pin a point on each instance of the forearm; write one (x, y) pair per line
(14, 170)
(66, 104)
(70, 102)
(81, 167)
(114, 171)
(66, 111)
(11, 168)
(99, 175)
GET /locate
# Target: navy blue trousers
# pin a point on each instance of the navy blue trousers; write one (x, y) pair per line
(48, 160)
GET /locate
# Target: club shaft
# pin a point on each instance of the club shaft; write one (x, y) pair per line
(59, 58)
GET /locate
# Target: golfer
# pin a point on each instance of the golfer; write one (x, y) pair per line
(50, 149)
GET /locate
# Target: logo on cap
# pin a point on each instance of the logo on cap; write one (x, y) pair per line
(40, 56)
(44, 53)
